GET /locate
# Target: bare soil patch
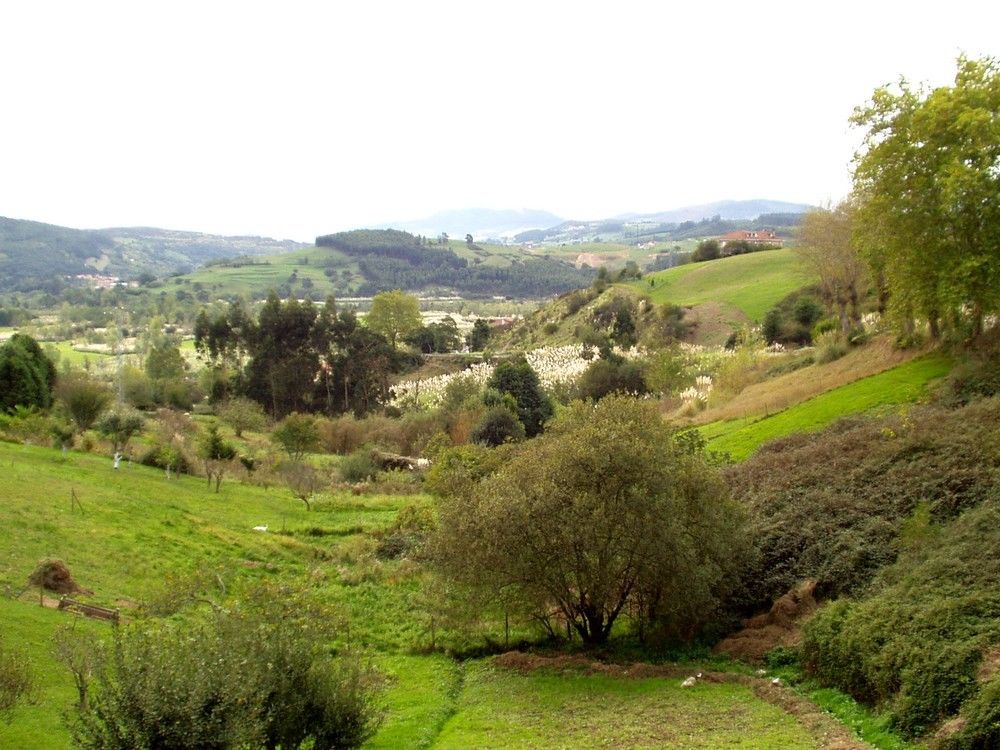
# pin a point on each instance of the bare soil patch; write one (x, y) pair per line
(778, 627)
(713, 322)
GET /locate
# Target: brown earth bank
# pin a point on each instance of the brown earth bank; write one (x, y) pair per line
(781, 626)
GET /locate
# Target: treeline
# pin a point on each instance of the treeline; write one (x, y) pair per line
(297, 357)
(391, 259)
(32, 254)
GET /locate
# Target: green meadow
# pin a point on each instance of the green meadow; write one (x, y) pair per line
(753, 283)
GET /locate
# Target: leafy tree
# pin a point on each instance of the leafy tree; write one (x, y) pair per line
(499, 425)
(706, 250)
(27, 376)
(242, 414)
(217, 454)
(828, 249)
(83, 398)
(606, 376)
(394, 315)
(119, 426)
(303, 480)
(479, 336)
(255, 674)
(297, 435)
(927, 181)
(165, 360)
(521, 382)
(568, 524)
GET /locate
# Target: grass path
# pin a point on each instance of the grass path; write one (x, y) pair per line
(899, 385)
(753, 283)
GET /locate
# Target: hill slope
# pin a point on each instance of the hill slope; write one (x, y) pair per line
(753, 283)
(34, 255)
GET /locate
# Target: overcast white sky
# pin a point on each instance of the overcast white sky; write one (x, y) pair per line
(292, 119)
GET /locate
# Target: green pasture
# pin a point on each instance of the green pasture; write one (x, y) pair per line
(131, 532)
(902, 384)
(269, 272)
(507, 711)
(754, 283)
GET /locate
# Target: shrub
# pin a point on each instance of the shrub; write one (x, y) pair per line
(978, 376)
(359, 466)
(17, 681)
(830, 505)
(916, 640)
(253, 675)
(82, 397)
(830, 345)
(499, 425)
(297, 434)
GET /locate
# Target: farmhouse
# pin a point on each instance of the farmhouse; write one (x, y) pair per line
(757, 236)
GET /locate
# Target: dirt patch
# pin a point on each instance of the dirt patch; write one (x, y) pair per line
(990, 665)
(778, 627)
(713, 322)
(54, 575)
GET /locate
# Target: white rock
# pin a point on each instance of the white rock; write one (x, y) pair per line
(777, 681)
(689, 682)
(260, 528)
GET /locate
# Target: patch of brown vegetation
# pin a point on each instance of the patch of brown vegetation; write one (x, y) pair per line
(54, 575)
(990, 665)
(518, 661)
(777, 627)
(713, 322)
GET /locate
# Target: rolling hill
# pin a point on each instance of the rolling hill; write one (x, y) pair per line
(34, 255)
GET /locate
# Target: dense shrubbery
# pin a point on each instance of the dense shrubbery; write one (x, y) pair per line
(830, 505)
(252, 675)
(917, 640)
(792, 319)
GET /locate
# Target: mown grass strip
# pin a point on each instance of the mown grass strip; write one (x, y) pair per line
(903, 384)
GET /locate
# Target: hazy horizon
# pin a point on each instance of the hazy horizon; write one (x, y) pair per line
(242, 119)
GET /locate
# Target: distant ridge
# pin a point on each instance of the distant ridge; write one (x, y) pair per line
(34, 255)
(727, 209)
(481, 223)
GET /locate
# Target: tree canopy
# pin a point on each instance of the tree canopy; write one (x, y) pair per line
(27, 376)
(394, 314)
(569, 525)
(929, 191)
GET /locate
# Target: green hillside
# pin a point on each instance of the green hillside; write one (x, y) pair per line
(899, 385)
(753, 283)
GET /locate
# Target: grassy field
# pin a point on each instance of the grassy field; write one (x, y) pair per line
(752, 283)
(899, 385)
(501, 709)
(137, 531)
(270, 272)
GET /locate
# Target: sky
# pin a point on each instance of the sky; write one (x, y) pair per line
(293, 119)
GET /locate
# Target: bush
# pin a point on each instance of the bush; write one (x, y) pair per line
(359, 466)
(253, 675)
(977, 377)
(499, 425)
(830, 346)
(830, 505)
(604, 377)
(916, 641)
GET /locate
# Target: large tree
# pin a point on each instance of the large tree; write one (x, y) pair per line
(27, 376)
(394, 315)
(928, 181)
(573, 526)
(828, 249)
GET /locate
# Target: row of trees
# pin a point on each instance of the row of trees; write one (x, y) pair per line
(923, 222)
(297, 357)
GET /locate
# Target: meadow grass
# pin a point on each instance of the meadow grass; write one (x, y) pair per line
(753, 283)
(902, 384)
(137, 529)
(503, 709)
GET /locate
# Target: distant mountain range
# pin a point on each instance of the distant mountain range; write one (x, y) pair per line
(738, 210)
(484, 223)
(481, 223)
